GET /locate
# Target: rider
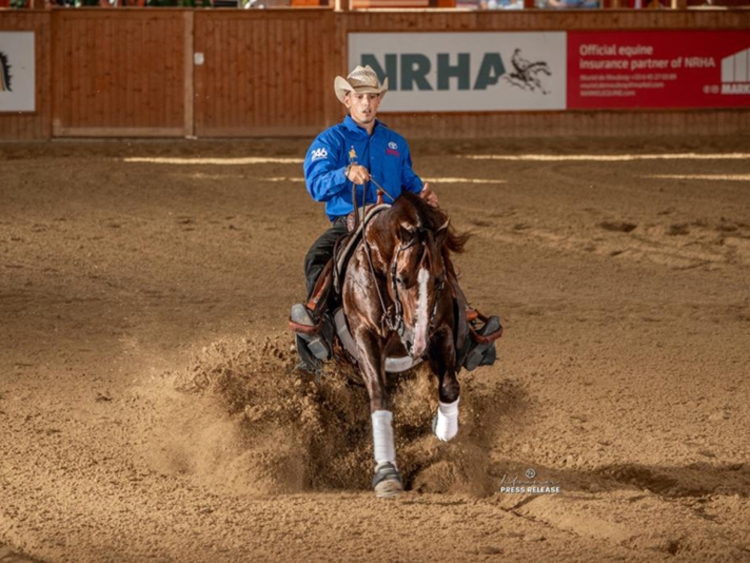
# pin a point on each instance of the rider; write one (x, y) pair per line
(362, 151)
(352, 152)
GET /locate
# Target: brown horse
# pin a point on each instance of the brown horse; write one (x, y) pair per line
(398, 298)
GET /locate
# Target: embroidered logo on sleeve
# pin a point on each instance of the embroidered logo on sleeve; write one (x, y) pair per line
(392, 149)
(317, 154)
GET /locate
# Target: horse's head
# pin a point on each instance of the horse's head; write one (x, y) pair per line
(417, 279)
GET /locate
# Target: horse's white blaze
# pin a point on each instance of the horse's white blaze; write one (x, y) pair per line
(423, 320)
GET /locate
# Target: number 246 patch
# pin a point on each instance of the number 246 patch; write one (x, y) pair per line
(317, 154)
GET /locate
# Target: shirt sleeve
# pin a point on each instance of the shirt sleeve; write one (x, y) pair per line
(324, 176)
(409, 179)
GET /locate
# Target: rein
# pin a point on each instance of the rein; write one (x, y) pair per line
(395, 322)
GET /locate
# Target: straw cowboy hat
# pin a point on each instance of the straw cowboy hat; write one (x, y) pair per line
(362, 80)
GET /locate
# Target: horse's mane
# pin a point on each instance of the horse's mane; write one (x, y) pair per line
(432, 218)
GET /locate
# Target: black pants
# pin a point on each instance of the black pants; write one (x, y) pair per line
(321, 252)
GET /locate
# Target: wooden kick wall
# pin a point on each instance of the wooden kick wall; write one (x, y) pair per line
(132, 73)
(263, 72)
(36, 125)
(119, 73)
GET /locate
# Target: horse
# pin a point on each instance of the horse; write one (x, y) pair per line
(398, 298)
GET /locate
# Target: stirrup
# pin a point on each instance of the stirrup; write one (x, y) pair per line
(311, 337)
(482, 351)
(301, 320)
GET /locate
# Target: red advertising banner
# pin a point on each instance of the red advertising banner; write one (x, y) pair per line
(658, 69)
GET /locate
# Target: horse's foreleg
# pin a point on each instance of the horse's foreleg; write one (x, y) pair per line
(387, 481)
(443, 364)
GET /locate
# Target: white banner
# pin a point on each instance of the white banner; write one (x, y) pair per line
(480, 71)
(17, 71)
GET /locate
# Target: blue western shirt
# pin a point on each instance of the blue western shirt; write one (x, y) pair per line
(385, 154)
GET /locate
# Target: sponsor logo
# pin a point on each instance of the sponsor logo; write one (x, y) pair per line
(393, 146)
(317, 154)
(4, 73)
(743, 88)
(465, 71)
(415, 71)
(352, 155)
(735, 73)
(527, 75)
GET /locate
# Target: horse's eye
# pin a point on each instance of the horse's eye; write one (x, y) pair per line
(400, 280)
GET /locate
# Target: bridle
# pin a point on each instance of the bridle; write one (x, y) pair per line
(394, 285)
(393, 318)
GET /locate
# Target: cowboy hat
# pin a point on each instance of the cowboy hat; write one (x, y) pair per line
(362, 80)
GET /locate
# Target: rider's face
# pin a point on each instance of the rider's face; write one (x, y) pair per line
(362, 107)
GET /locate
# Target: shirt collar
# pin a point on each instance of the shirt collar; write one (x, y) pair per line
(350, 124)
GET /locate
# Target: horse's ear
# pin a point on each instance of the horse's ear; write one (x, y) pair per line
(442, 231)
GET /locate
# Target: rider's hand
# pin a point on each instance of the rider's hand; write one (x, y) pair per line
(357, 174)
(429, 196)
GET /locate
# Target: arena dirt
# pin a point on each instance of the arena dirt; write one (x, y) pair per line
(149, 411)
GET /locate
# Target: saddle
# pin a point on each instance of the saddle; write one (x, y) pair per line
(342, 252)
(333, 273)
(475, 333)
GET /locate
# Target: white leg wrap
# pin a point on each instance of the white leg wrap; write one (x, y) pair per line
(382, 437)
(447, 420)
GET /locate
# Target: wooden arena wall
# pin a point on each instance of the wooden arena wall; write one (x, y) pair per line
(264, 72)
(120, 74)
(133, 73)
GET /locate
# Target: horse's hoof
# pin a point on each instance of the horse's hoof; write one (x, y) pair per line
(387, 482)
(388, 489)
